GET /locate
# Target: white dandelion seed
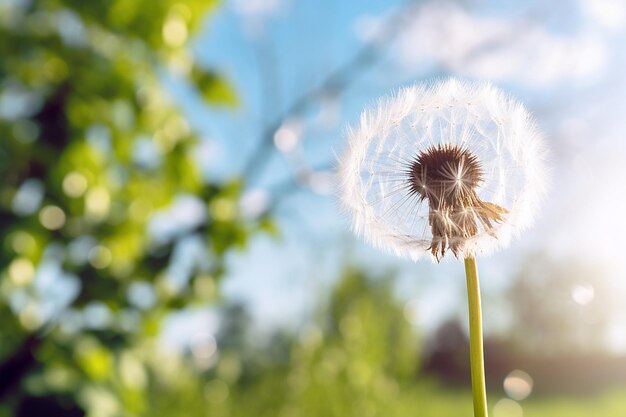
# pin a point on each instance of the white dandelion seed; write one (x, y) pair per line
(453, 166)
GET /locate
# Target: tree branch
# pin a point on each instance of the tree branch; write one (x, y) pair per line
(336, 81)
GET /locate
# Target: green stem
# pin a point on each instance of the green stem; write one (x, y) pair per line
(477, 363)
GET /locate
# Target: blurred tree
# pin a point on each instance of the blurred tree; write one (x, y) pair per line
(559, 306)
(558, 327)
(361, 358)
(106, 223)
(358, 360)
(446, 354)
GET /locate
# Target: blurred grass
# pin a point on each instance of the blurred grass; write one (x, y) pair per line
(428, 400)
(421, 399)
(609, 404)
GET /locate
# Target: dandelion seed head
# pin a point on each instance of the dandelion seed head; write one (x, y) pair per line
(452, 166)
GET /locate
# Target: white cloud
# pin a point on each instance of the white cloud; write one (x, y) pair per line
(498, 48)
(610, 14)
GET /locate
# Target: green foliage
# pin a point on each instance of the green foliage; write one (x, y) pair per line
(362, 310)
(92, 152)
(358, 358)
(213, 87)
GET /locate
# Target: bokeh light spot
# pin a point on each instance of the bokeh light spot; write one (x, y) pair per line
(74, 184)
(52, 217)
(142, 295)
(203, 345)
(23, 242)
(100, 257)
(21, 271)
(288, 135)
(97, 315)
(583, 294)
(30, 317)
(518, 385)
(60, 378)
(507, 408)
(204, 348)
(98, 202)
(28, 197)
(175, 31)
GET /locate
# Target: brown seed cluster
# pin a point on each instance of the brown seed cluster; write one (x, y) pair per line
(448, 176)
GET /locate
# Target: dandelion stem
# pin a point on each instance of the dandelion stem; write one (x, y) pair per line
(477, 363)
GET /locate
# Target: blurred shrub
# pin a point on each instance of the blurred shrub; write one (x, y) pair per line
(560, 306)
(106, 223)
(358, 358)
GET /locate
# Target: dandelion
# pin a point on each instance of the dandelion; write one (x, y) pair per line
(449, 168)
(454, 166)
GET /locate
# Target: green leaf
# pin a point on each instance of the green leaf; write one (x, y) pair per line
(214, 88)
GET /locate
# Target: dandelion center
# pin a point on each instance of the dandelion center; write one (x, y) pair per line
(448, 176)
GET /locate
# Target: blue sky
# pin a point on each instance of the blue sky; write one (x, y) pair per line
(565, 60)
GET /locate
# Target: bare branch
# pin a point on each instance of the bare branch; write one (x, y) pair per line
(335, 82)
